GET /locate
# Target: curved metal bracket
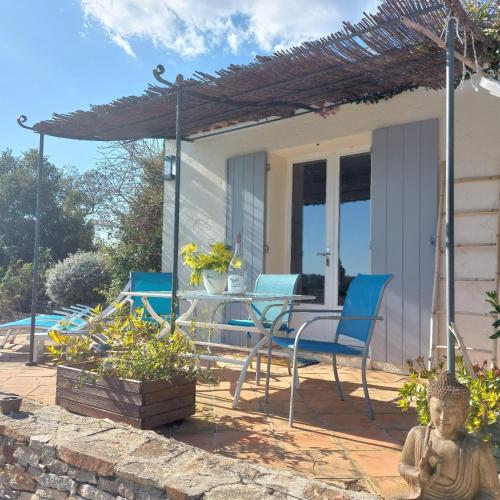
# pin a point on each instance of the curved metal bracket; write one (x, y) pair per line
(21, 120)
(157, 72)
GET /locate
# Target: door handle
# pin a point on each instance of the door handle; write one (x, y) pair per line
(326, 255)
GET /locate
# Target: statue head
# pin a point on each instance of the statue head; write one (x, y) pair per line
(448, 405)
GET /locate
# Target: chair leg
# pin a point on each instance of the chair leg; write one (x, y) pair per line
(5, 339)
(293, 388)
(268, 371)
(13, 335)
(365, 389)
(337, 378)
(36, 348)
(257, 370)
(297, 377)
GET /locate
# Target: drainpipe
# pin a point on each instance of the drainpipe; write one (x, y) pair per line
(450, 195)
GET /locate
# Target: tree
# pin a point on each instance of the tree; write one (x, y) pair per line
(64, 228)
(128, 206)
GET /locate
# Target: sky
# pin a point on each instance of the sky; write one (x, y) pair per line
(63, 55)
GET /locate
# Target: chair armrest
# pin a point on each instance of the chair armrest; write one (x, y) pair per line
(350, 318)
(337, 317)
(270, 306)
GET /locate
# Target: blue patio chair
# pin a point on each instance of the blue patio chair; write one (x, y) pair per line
(152, 282)
(356, 322)
(43, 322)
(280, 284)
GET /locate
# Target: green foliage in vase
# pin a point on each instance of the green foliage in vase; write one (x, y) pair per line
(217, 259)
(484, 394)
(128, 346)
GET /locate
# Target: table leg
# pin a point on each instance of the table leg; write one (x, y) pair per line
(244, 369)
(261, 343)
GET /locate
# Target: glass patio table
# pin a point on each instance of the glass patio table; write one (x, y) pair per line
(247, 300)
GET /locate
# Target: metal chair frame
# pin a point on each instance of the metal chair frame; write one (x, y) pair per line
(364, 347)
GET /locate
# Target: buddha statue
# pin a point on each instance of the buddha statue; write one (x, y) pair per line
(441, 461)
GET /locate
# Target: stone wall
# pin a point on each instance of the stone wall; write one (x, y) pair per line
(49, 453)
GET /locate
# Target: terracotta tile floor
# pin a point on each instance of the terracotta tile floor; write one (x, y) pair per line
(332, 440)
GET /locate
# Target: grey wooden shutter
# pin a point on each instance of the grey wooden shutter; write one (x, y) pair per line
(246, 214)
(405, 161)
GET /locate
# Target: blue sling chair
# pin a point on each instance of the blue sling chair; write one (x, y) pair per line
(355, 321)
(279, 284)
(155, 308)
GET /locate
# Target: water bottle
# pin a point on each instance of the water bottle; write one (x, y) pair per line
(236, 278)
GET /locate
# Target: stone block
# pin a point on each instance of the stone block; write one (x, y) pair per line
(244, 492)
(86, 461)
(41, 443)
(99, 452)
(82, 476)
(25, 495)
(26, 456)
(109, 485)
(93, 493)
(57, 467)
(50, 494)
(61, 483)
(17, 478)
(36, 471)
(7, 493)
(7, 454)
(134, 491)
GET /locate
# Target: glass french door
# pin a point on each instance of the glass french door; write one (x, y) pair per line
(354, 220)
(330, 228)
(310, 248)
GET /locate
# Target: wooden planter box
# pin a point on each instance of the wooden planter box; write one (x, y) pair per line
(144, 405)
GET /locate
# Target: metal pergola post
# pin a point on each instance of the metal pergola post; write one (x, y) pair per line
(177, 194)
(450, 195)
(21, 120)
(36, 249)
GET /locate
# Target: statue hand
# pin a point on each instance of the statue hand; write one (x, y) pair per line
(436, 473)
(424, 466)
(424, 470)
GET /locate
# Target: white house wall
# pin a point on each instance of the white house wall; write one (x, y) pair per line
(477, 136)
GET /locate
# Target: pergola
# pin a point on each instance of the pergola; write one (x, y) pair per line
(397, 49)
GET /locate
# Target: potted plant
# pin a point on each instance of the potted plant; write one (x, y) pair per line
(124, 371)
(210, 267)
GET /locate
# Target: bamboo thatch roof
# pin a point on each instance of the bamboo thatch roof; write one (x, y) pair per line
(375, 58)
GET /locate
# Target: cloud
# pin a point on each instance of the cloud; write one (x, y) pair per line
(121, 42)
(194, 27)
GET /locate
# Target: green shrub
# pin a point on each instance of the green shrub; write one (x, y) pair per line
(484, 394)
(78, 279)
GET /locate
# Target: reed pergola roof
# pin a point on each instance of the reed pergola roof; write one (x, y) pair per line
(376, 58)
